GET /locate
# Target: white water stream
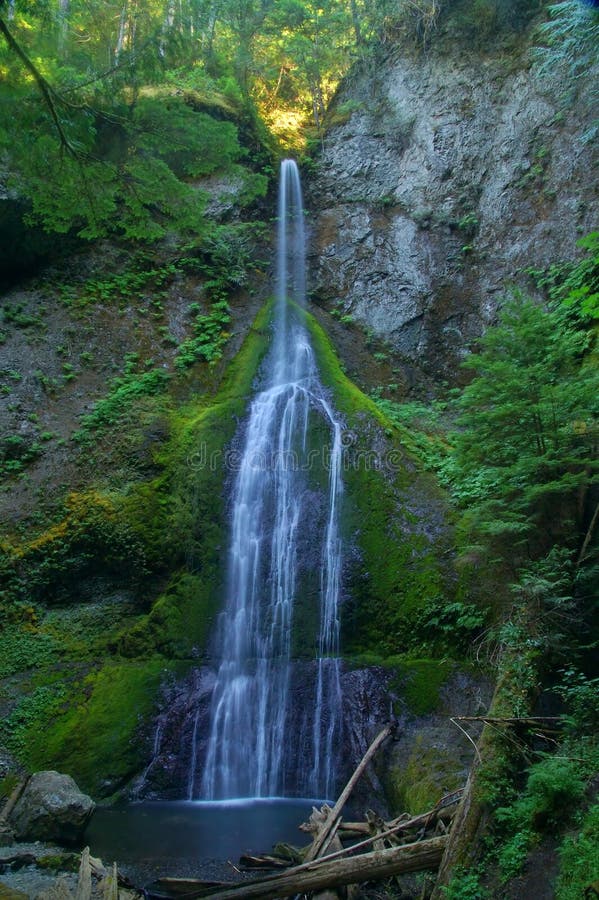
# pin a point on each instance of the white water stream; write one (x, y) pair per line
(251, 725)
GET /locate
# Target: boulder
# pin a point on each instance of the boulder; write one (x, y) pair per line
(51, 808)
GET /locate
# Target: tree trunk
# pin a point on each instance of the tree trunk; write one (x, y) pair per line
(317, 876)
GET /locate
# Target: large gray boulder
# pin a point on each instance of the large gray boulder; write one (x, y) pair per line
(51, 808)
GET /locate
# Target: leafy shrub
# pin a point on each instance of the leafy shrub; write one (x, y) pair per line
(579, 859)
(35, 709)
(209, 337)
(581, 695)
(554, 786)
(455, 624)
(464, 886)
(124, 390)
(25, 649)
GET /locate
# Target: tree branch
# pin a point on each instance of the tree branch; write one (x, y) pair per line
(45, 88)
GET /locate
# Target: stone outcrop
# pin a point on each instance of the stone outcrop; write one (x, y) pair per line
(441, 180)
(51, 808)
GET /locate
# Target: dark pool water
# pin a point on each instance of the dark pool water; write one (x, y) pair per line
(167, 833)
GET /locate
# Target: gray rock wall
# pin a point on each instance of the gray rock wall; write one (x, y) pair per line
(445, 177)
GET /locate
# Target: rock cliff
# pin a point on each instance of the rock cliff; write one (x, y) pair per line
(442, 178)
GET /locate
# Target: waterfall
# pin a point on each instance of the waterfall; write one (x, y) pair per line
(252, 746)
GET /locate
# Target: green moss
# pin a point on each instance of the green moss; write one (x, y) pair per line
(429, 775)
(420, 681)
(59, 862)
(398, 569)
(89, 539)
(179, 622)
(93, 737)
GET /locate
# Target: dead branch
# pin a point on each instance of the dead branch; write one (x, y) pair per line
(323, 839)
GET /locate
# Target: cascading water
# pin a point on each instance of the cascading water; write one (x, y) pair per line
(251, 748)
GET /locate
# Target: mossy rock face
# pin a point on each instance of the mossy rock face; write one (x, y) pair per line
(84, 714)
(419, 682)
(429, 775)
(92, 736)
(92, 538)
(395, 521)
(179, 623)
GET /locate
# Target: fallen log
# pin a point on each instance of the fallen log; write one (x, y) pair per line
(326, 873)
(439, 813)
(17, 861)
(173, 888)
(324, 837)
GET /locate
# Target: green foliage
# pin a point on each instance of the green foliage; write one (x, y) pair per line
(423, 428)
(35, 711)
(443, 624)
(124, 286)
(579, 859)
(13, 314)
(191, 143)
(570, 37)
(575, 285)
(581, 695)
(464, 886)
(124, 391)
(553, 787)
(209, 337)
(131, 180)
(22, 649)
(528, 424)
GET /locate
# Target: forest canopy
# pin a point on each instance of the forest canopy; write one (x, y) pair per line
(94, 91)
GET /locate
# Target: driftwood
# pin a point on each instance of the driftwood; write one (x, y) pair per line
(11, 802)
(17, 860)
(263, 861)
(84, 882)
(171, 888)
(439, 813)
(324, 837)
(328, 873)
(109, 886)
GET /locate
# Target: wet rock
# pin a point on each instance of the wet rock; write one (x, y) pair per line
(51, 808)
